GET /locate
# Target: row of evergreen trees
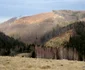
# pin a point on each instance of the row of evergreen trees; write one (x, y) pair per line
(8, 44)
(77, 41)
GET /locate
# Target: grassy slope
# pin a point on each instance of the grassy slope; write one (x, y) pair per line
(17, 63)
(59, 41)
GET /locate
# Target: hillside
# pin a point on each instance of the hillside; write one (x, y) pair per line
(59, 40)
(32, 29)
(35, 18)
(10, 46)
(61, 43)
(17, 63)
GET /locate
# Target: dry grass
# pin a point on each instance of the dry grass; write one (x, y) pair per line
(35, 18)
(17, 63)
(59, 41)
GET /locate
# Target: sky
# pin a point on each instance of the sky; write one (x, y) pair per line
(19, 8)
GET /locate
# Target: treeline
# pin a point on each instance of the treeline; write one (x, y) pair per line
(73, 49)
(10, 46)
(77, 41)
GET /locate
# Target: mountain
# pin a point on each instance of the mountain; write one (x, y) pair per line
(35, 18)
(7, 23)
(42, 27)
(10, 20)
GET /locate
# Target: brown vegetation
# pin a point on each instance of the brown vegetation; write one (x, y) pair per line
(18, 63)
(35, 18)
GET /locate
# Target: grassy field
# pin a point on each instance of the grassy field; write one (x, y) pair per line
(19, 63)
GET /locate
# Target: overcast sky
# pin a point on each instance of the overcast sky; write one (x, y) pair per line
(16, 8)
